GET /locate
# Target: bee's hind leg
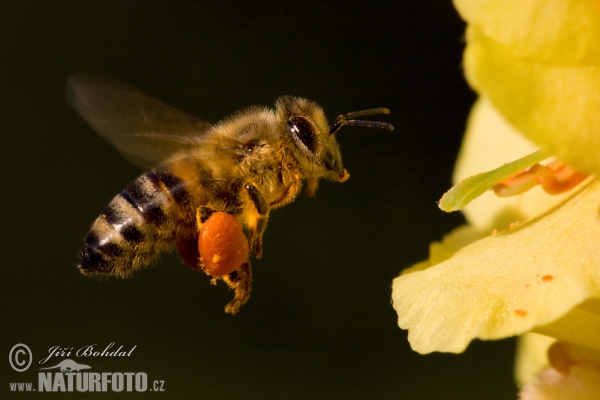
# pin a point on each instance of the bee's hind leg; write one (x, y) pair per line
(239, 280)
(188, 246)
(258, 220)
(202, 215)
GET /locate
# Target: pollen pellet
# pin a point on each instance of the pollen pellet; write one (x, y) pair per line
(222, 245)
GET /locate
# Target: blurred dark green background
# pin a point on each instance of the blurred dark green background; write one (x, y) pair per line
(319, 324)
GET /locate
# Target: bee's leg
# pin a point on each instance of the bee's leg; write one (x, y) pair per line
(202, 214)
(256, 236)
(312, 183)
(258, 224)
(239, 280)
(188, 247)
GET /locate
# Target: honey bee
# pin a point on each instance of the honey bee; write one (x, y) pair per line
(245, 165)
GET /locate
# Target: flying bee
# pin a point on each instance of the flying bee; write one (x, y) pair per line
(245, 165)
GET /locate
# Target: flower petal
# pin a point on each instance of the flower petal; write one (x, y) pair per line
(532, 356)
(581, 325)
(453, 242)
(556, 107)
(582, 383)
(557, 31)
(506, 284)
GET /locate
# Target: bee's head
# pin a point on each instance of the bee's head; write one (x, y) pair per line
(312, 139)
(309, 138)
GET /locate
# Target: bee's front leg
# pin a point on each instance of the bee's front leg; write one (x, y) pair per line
(257, 221)
(312, 183)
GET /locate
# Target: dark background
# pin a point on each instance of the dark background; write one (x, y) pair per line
(319, 324)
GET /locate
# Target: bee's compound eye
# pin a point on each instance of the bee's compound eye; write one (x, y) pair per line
(301, 129)
(222, 245)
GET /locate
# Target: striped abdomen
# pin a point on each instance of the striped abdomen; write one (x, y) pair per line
(139, 222)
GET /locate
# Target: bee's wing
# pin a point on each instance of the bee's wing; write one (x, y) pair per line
(145, 130)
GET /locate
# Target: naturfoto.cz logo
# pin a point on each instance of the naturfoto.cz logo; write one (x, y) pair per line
(71, 376)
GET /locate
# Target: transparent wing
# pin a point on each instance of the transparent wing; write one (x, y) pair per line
(143, 129)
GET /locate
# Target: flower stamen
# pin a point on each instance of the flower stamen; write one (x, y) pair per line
(555, 178)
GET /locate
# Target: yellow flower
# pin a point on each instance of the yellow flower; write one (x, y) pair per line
(528, 263)
(478, 285)
(538, 61)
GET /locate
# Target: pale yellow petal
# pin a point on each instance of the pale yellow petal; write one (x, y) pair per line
(506, 284)
(555, 31)
(581, 325)
(489, 142)
(582, 383)
(532, 356)
(556, 107)
(453, 242)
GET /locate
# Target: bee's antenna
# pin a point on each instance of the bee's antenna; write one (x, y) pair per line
(347, 119)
